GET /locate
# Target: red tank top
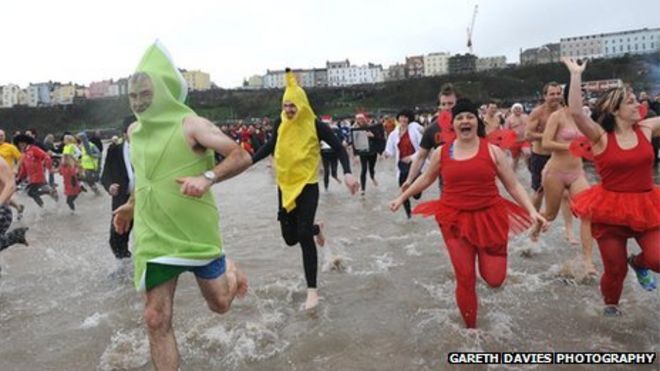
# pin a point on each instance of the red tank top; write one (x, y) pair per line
(469, 184)
(626, 170)
(405, 146)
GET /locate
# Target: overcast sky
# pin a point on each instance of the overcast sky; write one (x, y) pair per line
(85, 41)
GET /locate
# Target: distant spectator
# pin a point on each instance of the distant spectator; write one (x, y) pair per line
(96, 139)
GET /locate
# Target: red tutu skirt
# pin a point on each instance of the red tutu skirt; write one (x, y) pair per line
(639, 211)
(517, 148)
(488, 228)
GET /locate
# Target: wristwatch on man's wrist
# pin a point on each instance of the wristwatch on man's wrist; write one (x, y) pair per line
(210, 176)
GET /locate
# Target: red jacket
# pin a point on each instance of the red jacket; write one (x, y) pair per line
(34, 163)
(70, 180)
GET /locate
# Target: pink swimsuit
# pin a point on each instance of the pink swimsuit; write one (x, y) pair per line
(570, 176)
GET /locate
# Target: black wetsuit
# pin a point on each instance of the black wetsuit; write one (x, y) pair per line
(369, 157)
(298, 224)
(330, 160)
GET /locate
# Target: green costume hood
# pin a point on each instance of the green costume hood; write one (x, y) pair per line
(169, 228)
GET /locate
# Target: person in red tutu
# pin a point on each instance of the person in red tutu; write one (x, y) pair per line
(518, 122)
(626, 204)
(473, 218)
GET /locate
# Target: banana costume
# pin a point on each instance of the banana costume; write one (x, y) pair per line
(298, 150)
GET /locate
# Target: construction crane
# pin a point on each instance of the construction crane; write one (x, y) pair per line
(471, 29)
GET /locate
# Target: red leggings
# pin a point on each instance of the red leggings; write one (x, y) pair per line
(612, 241)
(491, 267)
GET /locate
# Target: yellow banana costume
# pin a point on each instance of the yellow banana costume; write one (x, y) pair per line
(297, 151)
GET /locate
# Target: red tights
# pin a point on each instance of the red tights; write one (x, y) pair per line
(491, 267)
(612, 244)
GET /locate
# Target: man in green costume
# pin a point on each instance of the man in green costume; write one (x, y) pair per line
(176, 223)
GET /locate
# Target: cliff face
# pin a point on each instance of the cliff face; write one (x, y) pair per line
(507, 85)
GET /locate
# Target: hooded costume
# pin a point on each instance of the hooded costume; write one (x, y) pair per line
(295, 144)
(172, 232)
(297, 152)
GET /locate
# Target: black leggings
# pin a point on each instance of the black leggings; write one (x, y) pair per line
(298, 227)
(9, 238)
(35, 191)
(367, 161)
(69, 201)
(91, 177)
(329, 166)
(404, 169)
(119, 242)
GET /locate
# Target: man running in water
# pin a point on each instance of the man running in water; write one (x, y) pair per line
(176, 217)
(34, 164)
(518, 122)
(119, 181)
(296, 149)
(432, 137)
(552, 98)
(492, 120)
(368, 157)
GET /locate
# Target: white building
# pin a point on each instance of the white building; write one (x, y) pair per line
(113, 90)
(32, 95)
(255, 82)
(436, 64)
(491, 63)
(63, 94)
(276, 79)
(343, 74)
(10, 94)
(611, 44)
(633, 42)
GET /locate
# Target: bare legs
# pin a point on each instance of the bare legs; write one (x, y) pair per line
(218, 293)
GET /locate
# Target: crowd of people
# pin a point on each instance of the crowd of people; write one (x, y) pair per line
(160, 171)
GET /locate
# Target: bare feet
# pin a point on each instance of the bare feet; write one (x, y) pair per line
(590, 269)
(241, 279)
(536, 231)
(570, 237)
(337, 179)
(312, 299)
(320, 238)
(54, 194)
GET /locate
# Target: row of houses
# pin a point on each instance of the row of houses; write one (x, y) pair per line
(55, 93)
(604, 45)
(343, 73)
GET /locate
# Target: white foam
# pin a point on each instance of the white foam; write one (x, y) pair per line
(127, 350)
(93, 320)
(411, 250)
(384, 262)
